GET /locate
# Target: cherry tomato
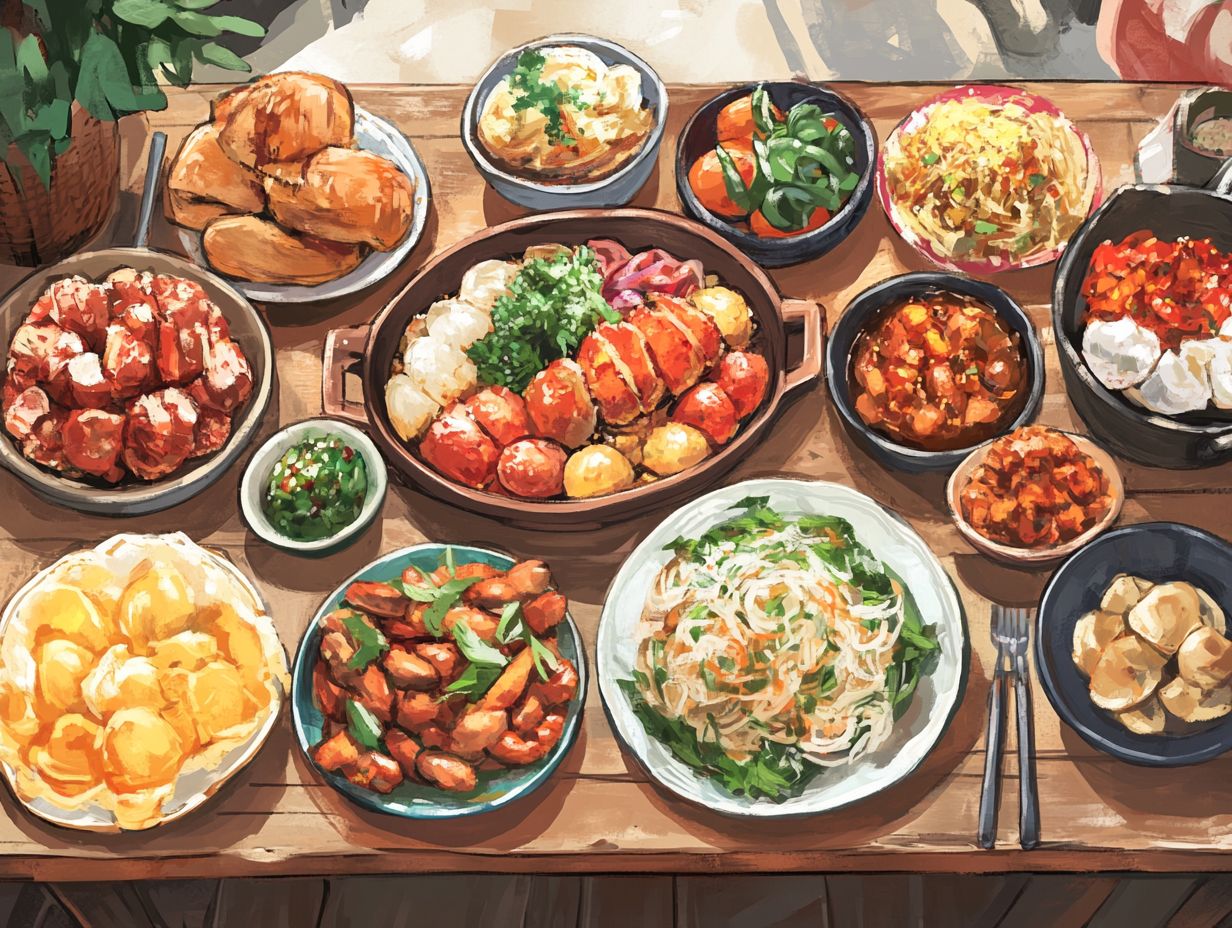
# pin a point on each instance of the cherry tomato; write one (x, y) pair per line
(735, 121)
(706, 179)
(760, 226)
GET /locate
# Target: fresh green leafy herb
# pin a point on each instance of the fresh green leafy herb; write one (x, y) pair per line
(531, 91)
(363, 726)
(370, 644)
(474, 681)
(1036, 179)
(552, 304)
(983, 227)
(777, 772)
(442, 598)
(474, 648)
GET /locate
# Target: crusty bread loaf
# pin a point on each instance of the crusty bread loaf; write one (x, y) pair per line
(285, 117)
(347, 196)
(204, 183)
(252, 248)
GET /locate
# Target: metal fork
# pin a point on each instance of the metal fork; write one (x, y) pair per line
(1011, 629)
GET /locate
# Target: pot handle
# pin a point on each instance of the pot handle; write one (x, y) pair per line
(344, 351)
(811, 316)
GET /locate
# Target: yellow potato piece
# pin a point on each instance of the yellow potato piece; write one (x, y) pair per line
(68, 761)
(156, 605)
(141, 750)
(237, 639)
(189, 650)
(62, 666)
(122, 681)
(16, 712)
(59, 611)
(217, 699)
(177, 709)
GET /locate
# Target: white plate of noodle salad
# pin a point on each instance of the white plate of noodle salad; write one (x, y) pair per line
(781, 647)
(985, 178)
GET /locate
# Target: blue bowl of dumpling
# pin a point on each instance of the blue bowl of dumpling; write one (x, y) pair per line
(417, 800)
(541, 191)
(1192, 439)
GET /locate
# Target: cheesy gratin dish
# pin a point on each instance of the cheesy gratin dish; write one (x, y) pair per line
(135, 677)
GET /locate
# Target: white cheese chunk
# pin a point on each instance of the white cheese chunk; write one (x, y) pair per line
(1180, 383)
(1120, 353)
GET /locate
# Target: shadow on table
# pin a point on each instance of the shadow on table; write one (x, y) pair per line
(505, 829)
(1148, 798)
(890, 811)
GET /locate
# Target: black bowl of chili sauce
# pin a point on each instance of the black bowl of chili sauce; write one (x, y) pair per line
(924, 410)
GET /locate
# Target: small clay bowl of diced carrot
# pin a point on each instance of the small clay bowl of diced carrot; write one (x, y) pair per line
(1035, 496)
(782, 169)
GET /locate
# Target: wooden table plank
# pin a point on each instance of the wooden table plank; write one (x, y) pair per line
(599, 813)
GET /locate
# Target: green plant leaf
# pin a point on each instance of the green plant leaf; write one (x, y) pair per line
(195, 4)
(53, 119)
(197, 23)
(240, 26)
(364, 727)
(37, 149)
(370, 644)
(146, 13)
(30, 58)
(215, 54)
(104, 86)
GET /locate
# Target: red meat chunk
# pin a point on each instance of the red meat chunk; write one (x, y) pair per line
(93, 441)
(128, 362)
(161, 433)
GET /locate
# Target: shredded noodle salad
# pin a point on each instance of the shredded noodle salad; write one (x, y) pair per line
(770, 649)
(988, 181)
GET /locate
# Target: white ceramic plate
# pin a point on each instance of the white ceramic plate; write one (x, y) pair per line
(894, 542)
(194, 785)
(372, 134)
(252, 485)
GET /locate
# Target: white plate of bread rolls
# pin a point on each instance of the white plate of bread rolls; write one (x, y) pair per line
(294, 193)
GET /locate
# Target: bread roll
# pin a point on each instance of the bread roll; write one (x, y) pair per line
(285, 117)
(204, 183)
(347, 196)
(252, 248)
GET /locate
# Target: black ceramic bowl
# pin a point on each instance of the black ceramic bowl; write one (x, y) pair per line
(1156, 551)
(700, 136)
(1192, 440)
(865, 310)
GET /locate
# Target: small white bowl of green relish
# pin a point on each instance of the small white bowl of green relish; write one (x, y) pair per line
(313, 487)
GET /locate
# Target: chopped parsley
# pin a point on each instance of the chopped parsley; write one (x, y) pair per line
(531, 91)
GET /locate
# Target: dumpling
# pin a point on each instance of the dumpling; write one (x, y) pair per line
(486, 282)
(68, 761)
(1166, 615)
(121, 680)
(1120, 353)
(1122, 594)
(410, 410)
(62, 666)
(1193, 704)
(140, 750)
(156, 605)
(461, 327)
(1127, 672)
(1205, 658)
(441, 371)
(1220, 368)
(1146, 719)
(1179, 384)
(1092, 633)
(217, 700)
(68, 613)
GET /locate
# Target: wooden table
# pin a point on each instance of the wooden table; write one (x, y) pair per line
(598, 813)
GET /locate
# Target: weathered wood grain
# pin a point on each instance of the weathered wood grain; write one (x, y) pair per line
(598, 814)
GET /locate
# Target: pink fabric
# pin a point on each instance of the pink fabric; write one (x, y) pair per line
(1168, 40)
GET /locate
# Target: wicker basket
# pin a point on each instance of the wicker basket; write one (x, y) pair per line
(40, 225)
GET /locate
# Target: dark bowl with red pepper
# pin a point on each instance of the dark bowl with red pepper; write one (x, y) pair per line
(313, 487)
(1169, 212)
(700, 135)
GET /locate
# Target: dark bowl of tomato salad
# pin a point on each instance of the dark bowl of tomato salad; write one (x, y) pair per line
(1168, 213)
(924, 367)
(769, 133)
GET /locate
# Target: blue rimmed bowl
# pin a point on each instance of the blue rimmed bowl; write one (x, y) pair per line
(1155, 551)
(414, 800)
(532, 192)
(868, 308)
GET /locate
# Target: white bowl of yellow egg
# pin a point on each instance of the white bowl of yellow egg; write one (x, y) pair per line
(136, 677)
